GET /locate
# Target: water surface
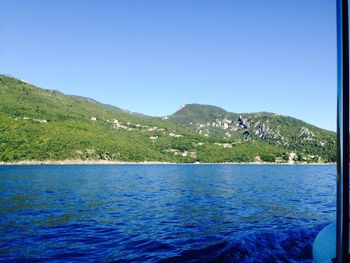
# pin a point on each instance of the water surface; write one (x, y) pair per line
(167, 213)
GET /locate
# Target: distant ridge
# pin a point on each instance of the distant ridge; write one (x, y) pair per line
(41, 124)
(87, 99)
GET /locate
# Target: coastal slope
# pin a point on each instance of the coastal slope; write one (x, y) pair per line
(46, 125)
(308, 140)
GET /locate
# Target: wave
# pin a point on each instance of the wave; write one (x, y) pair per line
(292, 245)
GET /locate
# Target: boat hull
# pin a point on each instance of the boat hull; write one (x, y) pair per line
(324, 247)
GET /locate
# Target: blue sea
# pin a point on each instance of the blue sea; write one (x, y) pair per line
(163, 213)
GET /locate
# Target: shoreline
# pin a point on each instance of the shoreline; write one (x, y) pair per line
(103, 162)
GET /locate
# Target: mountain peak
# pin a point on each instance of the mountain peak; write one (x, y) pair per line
(195, 108)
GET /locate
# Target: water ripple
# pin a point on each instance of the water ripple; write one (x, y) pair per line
(163, 213)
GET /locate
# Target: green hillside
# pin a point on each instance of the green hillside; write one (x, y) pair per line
(38, 124)
(308, 141)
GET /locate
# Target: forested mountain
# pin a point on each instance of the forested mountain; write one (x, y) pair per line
(42, 124)
(275, 129)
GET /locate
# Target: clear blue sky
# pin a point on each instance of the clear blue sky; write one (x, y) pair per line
(153, 56)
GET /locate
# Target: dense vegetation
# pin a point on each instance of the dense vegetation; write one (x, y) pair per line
(39, 124)
(310, 143)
